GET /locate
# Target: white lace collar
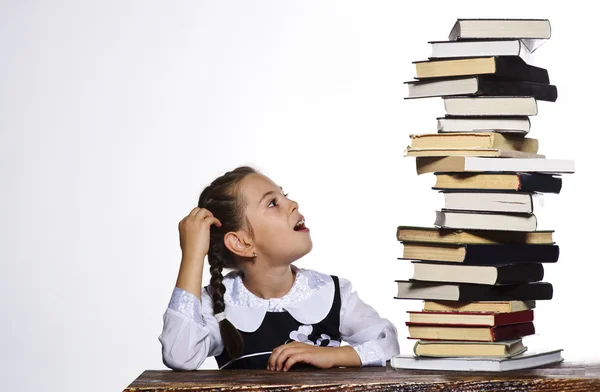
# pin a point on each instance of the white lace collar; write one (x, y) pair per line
(308, 301)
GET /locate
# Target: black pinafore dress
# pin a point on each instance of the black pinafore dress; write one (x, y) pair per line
(279, 328)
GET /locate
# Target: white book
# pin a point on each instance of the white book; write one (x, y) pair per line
(478, 164)
(485, 221)
(511, 125)
(526, 360)
(488, 106)
(533, 32)
(456, 49)
(510, 202)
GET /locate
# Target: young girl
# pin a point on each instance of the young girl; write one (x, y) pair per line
(266, 313)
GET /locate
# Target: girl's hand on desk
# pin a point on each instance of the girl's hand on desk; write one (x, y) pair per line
(285, 356)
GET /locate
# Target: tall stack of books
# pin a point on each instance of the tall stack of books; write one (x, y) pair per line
(480, 269)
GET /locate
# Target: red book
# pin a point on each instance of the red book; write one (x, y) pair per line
(470, 318)
(470, 333)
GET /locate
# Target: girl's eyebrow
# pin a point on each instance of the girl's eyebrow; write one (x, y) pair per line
(267, 194)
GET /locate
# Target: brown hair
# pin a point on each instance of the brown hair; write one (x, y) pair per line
(223, 199)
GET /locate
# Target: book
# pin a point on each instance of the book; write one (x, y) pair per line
(465, 292)
(490, 106)
(453, 164)
(470, 333)
(474, 140)
(459, 236)
(449, 348)
(470, 152)
(481, 86)
(507, 67)
(485, 221)
(477, 274)
(532, 32)
(464, 318)
(485, 201)
(517, 182)
(482, 254)
(479, 48)
(526, 360)
(478, 306)
(519, 125)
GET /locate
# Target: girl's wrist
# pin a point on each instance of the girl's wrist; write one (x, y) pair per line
(192, 258)
(346, 356)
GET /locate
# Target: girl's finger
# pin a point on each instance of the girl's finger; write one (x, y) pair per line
(194, 211)
(285, 354)
(203, 213)
(271, 361)
(273, 358)
(213, 221)
(292, 360)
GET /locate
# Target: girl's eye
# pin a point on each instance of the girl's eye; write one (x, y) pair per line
(286, 194)
(273, 202)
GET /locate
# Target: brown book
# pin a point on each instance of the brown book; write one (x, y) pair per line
(471, 152)
(470, 318)
(474, 140)
(453, 236)
(478, 306)
(518, 182)
(480, 334)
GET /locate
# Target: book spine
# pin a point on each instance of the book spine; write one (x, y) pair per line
(513, 318)
(541, 92)
(542, 183)
(491, 254)
(514, 67)
(455, 32)
(519, 292)
(507, 332)
(519, 273)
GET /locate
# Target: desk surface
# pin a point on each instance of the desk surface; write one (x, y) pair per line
(564, 376)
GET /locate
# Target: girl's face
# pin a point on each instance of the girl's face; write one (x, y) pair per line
(274, 218)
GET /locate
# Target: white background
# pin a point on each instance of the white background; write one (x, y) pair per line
(115, 114)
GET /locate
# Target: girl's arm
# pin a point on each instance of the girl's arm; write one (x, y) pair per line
(375, 339)
(190, 332)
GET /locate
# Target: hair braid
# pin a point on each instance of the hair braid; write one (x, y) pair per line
(222, 199)
(232, 340)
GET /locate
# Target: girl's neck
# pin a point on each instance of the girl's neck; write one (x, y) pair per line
(271, 282)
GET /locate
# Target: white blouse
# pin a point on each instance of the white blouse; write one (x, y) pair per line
(191, 333)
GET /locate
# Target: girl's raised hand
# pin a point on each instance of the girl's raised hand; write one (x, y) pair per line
(194, 233)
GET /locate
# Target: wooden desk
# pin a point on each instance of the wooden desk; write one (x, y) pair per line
(559, 377)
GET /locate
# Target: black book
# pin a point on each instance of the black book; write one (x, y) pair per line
(465, 292)
(477, 274)
(482, 254)
(485, 86)
(504, 67)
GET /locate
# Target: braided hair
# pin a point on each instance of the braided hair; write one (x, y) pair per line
(224, 201)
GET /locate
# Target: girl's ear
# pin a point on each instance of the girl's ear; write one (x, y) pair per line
(238, 243)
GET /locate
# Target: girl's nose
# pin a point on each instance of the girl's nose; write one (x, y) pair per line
(293, 205)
